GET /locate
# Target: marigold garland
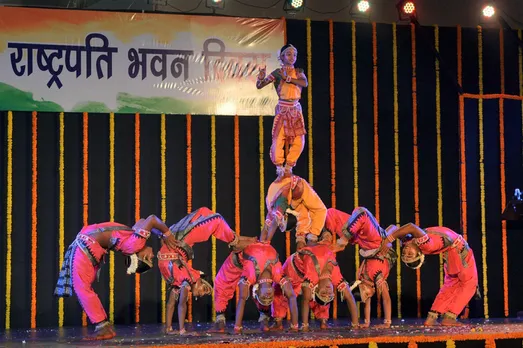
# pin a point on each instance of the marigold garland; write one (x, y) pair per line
(85, 178)
(237, 182)
(189, 192)
(502, 170)
(438, 147)
(213, 201)
(490, 343)
(462, 147)
(61, 210)
(262, 171)
(355, 134)
(450, 344)
(415, 151)
(482, 176)
(111, 213)
(396, 158)
(9, 220)
(163, 194)
(332, 138)
(34, 216)
(410, 340)
(137, 206)
(376, 137)
(412, 344)
(373, 344)
(309, 100)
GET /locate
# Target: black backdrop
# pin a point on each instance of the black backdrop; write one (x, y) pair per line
(249, 188)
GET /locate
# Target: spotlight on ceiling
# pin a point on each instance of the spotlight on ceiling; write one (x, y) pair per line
(220, 4)
(488, 11)
(293, 6)
(406, 10)
(360, 9)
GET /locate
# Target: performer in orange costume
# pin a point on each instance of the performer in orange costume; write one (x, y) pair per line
(257, 266)
(313, 271)
(293, 195)
(461, 275)
(84, 256)
(196, 227)
(288, 125)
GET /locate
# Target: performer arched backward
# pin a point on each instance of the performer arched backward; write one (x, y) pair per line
(83, 258)
(314, 272)
(288, 125)
(294, 196)
(196, 227)
(361, 228)
(461, 276)
(257, 266)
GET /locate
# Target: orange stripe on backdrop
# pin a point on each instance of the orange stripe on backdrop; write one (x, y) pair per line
(188, 155)
(85, 176)
(376, 135)
(137, 206)
(34, 218)
(492, 96)
(332, 139)
(237, 182)
(415, 151)
(462, 149)
(502, 169)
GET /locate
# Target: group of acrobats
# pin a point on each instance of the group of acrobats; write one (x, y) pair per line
(254, 266)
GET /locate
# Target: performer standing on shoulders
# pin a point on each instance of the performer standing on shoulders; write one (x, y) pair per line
(288, 125)
(83, 258)
(196, 227)
(461, 275)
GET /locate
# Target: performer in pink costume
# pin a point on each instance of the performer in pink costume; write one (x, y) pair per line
(258, 266)
(461, 276)
(83, 259)
(196, 227)
(360, 228)
(314, 271)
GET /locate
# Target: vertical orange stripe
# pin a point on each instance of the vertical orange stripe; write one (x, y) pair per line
(376, 136)
(502, 169)
(415, 152)
(34, 218)
(462, 149)
(237, 182)
(188, 155)
(332, 139)
(137, 207)
(85, 176)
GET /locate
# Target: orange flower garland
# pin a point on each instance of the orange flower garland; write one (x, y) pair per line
(9, 221)
(462, 148)
(237, 182)
(34, 218)
(188, 155)
(415, 151)
(85, 176)
(137, 208)
(332, 140)
(412, 341)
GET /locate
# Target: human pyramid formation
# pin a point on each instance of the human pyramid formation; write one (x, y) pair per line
(253, 264)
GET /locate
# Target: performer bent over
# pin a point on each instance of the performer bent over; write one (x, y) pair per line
(196, 227)
(313, 267)
(288, 125)
(83, 259)
(257, 266)
(461, 276)
(293, 195)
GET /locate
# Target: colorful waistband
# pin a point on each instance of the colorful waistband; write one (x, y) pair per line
(288, 103)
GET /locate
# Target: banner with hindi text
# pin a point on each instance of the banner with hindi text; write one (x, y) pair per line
(93, 61)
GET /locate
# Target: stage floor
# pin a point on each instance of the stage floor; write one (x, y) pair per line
(402, 331)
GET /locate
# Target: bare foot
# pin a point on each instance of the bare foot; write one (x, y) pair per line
(431, 322)
(364, 326)
(277, 326)
(105, 333)
(323, 325)
(382, 326)
(219, 327)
